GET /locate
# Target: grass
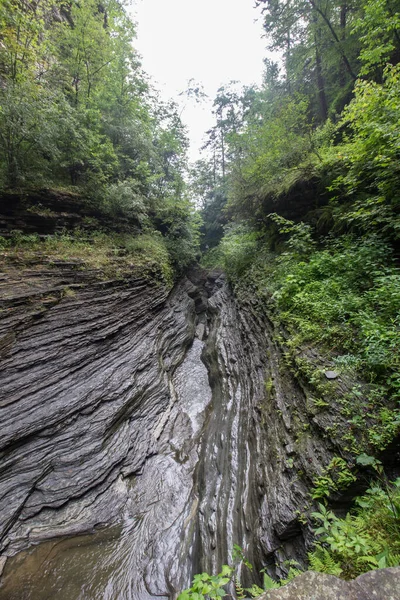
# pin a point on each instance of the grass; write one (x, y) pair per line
(114, 255)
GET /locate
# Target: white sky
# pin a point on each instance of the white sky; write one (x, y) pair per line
(211, 41)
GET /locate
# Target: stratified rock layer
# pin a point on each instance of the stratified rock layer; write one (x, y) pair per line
(143, 435)
(263, 441)
(83, 385)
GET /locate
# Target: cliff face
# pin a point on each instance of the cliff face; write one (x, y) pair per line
(91, 382)
(84, 373)
(143, 435)
(264, 442)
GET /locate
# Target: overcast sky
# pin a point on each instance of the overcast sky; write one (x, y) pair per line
(211, 41)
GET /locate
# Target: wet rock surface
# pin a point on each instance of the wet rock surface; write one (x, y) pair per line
(143, 435)
(102, 404)
(383, 584)
(265, 443)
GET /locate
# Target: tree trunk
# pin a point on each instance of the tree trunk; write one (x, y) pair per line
(343, 23)
(335, 37)
(322, 101)
(223, 157)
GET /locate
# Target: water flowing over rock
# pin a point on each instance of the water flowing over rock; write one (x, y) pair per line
(143, 435)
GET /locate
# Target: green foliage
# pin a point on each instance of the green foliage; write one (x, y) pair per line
(180, 225)
(238, 556)
(238, 247)
(29, 126)
(108, 255)
(274, 143)
(212, 259)
(124, 199)
(378, 28)
(321, 560)
(299, 239)
(336, 476)
(255, 591)
(366, 539)
(269, 583)
(207, 586)
(240, 592)
(318, 45)
(370, 158)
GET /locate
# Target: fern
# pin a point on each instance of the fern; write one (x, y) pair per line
(322, 561)
(269, 583)
(254, 591)
(239, 590)
(370, 561)
(393, 560)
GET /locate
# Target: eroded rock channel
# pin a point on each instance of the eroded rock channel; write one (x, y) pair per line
(139, 439)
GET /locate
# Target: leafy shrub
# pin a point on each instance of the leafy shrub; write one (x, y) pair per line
(124, 199)
(180, 226)
(370, 158)
(336, 476)
(239, 248)
(207, 586)
(366, 539)
(148, 250)
(213, 258)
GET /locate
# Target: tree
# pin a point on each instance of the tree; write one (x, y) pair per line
(75, 105)
(319, 48)
(379, 31)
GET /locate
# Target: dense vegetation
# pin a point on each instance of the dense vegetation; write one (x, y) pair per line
(300, 196)
(77, 113)
(312, 194)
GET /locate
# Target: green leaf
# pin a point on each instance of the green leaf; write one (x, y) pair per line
(366, 460)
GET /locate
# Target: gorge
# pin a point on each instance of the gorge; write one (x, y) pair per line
(199, 354)
(141, 439)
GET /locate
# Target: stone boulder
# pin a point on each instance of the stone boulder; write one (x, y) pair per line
(382, 584)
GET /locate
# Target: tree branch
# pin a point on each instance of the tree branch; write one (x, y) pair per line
(335, 37)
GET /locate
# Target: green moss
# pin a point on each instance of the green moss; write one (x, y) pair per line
(117, 255)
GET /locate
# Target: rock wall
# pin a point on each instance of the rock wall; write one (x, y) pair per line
(143, 435)
(263, 439)
(84, 378)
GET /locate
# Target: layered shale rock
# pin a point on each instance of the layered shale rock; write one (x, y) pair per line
(47, 212)
(84, 380)
(144, 434)
(266, 446)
